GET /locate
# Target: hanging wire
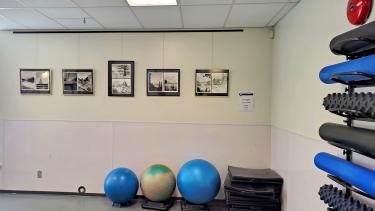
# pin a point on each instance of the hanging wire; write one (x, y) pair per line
(163, 53)
(122, 44)
(212, 50)
(37, 50)
(79, 50)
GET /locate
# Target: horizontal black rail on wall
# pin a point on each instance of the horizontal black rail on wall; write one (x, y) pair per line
(120, 31)
(57, 193)
(49, 193)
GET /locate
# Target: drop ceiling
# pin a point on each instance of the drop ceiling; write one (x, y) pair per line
(116, 14)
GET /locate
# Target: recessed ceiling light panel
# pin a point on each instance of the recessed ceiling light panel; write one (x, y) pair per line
(139, 3)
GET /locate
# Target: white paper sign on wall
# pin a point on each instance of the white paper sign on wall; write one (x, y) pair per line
(246, 101)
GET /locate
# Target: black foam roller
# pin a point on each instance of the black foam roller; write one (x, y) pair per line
(357, 42)
(357, 139)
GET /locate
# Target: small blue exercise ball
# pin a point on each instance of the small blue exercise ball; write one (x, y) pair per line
(198, 181)
(121, 186)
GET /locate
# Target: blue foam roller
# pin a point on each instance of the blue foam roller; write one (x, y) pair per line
(364, 64)
(358, 176)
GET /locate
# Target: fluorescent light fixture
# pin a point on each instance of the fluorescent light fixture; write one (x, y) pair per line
(139, 3)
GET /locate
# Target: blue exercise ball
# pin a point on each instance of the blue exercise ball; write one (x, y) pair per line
(198, 181)
(121, 186)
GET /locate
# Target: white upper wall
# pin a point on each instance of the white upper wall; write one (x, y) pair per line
(301, 50)
(245, 54)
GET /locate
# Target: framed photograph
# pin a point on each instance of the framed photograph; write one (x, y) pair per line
(163, 82)
(121, 78)
(35, 81)
(78, 81)
(212, 82)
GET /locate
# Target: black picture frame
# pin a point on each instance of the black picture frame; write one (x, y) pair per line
(35, 81)
(118, 83)
(159, 87)
(212, 82)
(78, 81)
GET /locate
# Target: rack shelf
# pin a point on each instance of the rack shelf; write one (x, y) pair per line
(351, 188)
(345, 148)
(367, 81)
(354, 115)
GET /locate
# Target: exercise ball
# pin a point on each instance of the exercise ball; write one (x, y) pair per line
(121, 186)
(158, 183)
(198, 181)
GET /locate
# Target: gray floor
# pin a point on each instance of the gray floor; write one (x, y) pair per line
(22, 202)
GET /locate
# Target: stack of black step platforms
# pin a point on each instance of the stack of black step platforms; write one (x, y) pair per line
(253, 189)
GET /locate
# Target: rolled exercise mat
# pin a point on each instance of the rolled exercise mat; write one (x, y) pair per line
(357, 139)
(364, 65)
(357, 42)
(358, 176)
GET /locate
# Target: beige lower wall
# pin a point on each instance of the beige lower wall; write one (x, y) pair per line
(2, 135)
(71, 154)
(292, 156)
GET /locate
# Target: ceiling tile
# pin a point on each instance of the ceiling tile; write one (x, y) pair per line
(262, 1)
(114, 17)
(281, 14)
(63, 12)
(204, 2)
(48, 3)
(159, 17)
(101, 3)
(10, 4)
(73, 23)
(30, 18)
(252, 15)
(209, 16)
(6, 24)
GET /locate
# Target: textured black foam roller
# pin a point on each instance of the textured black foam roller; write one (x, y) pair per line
(338, 200)
(359, 105)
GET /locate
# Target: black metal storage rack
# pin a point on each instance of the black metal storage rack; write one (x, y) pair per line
(351, 86)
